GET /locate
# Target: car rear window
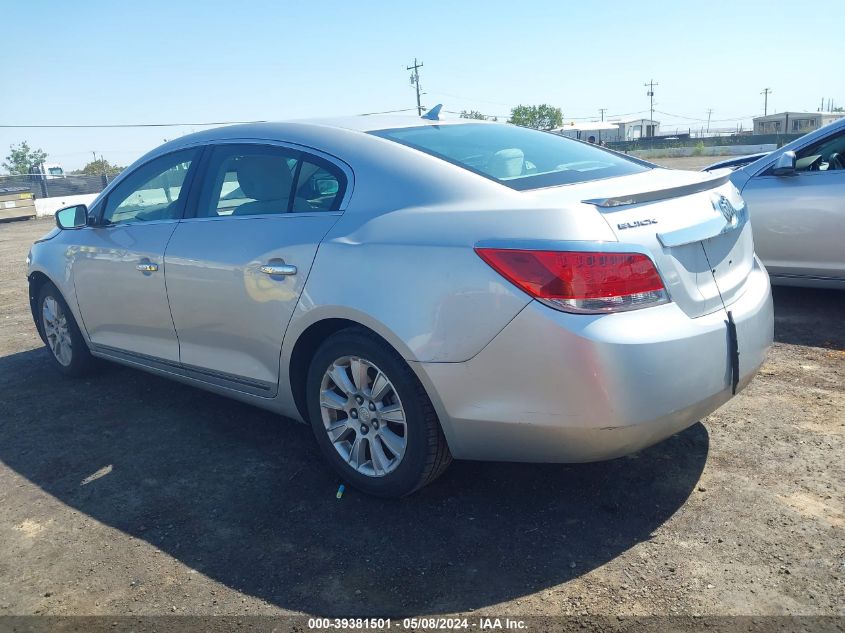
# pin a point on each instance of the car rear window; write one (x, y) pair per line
(514, 156)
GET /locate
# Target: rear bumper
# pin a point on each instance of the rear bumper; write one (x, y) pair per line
(557, 387)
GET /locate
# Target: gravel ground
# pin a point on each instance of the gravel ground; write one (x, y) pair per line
(126, 493)
(692, 163)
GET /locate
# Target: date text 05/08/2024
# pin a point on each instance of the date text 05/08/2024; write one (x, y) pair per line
(425, 623)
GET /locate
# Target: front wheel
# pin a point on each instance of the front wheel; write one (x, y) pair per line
(61, 333)
(371, 416)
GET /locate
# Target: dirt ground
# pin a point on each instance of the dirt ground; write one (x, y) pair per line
(692, 163)
(129, 494)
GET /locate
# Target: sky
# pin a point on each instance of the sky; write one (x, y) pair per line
(154, 61)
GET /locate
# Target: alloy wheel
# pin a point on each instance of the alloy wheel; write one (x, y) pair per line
(56, 330)
(363, 416)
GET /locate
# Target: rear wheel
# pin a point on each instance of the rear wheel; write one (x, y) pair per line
(371, 416)
(64, 341)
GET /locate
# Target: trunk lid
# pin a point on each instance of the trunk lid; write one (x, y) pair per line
(693, 225)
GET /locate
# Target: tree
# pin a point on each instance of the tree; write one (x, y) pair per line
(22, 159)
(473, 114)
(99, 167)
(540, 117)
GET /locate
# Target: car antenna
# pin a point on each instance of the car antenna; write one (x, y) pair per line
(433, 114)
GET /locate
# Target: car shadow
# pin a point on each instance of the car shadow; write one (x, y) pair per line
(810, 316)
(241, 496)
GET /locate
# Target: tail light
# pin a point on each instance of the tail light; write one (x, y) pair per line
(585, 282)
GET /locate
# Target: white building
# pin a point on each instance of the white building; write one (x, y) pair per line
(794, 122)
(620, 130)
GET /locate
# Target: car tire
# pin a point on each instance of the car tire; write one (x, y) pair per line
(65, 345)
(371, 416)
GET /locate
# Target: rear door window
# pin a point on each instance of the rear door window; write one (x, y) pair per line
(320, 186)
(253, 180)
(248, 180)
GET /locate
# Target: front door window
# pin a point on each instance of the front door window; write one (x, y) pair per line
(152, 192)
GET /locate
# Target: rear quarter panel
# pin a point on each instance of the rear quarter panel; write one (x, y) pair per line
(402, 253)
(400, 260)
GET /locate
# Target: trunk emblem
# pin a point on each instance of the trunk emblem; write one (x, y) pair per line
(635, 223)
(724, 206)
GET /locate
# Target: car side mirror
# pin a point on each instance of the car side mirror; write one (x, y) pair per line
(74, 217)
(785, 164)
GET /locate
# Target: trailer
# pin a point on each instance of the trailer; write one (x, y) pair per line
(16, 203)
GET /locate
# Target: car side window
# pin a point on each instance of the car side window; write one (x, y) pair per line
(826, 155)
(248, 180)
(319, 187)
(152, 192)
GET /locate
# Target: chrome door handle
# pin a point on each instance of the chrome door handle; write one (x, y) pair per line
(278, 269)
(147, 268)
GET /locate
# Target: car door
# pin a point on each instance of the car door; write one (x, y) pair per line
(118, 264)
(235, 268)
(798, 218)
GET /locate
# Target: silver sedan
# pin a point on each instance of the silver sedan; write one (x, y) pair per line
(796, 196)
(416, 289)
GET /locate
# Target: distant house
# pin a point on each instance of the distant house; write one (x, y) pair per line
(632, 129)
(793, 122)
(611, 131)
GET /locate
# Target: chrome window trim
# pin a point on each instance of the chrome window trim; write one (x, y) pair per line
(266, 216)
(118, 225)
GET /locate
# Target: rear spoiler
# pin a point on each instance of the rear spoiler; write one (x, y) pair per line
(717, 179)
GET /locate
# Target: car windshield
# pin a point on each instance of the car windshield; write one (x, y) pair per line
(517, 157)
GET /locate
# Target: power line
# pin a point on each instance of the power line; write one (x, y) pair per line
(690, 118)
(387, 111)
(602, 111)
(459, 97)
(126, 125)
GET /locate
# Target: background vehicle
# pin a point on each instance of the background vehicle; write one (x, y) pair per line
(16, 202)
(417, 289)
(796, 196)
(49, 171)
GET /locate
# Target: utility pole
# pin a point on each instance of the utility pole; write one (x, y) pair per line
(602, 110)
(765, 94)
(651, 84)
(709, 112)
(102, 166)
(415, 81)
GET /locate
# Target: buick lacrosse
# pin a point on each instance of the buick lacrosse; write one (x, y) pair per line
(416, 289)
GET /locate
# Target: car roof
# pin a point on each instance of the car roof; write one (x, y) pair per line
(346, 139)
(312, 127)
(372, 122)
(335, 136)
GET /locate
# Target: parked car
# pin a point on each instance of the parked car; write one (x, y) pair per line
(796, 196)
(416, 289)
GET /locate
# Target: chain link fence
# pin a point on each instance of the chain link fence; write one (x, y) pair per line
(49, 187)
